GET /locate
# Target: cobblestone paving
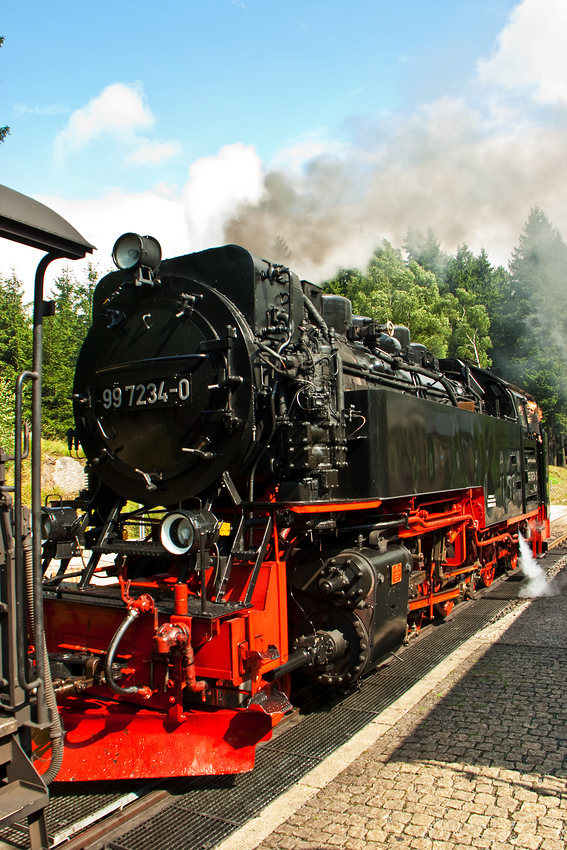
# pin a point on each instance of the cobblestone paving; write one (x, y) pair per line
(480, 762)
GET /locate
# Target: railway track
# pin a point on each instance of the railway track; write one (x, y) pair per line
(560, 541)
(198, 813)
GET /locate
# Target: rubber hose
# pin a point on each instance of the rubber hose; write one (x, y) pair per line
(124, 626)
(55, 729)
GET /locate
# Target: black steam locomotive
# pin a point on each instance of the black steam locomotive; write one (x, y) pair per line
(273, 484)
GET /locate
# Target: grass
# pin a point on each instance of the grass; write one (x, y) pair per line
(557, 485)
(54, 448)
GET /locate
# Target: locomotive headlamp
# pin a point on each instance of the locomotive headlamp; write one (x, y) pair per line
(132, 252)
(58, 524)
(181, 531)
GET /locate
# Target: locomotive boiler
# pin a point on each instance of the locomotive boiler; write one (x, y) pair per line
(274, 484)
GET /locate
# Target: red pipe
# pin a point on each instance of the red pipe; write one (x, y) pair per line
(179, 634)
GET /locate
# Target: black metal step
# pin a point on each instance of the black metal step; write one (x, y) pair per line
(20, 799)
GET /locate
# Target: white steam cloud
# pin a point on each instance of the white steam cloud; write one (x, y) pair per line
(439, 168)
(537, 585)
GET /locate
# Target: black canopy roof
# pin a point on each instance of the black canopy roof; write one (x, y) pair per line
(27, 221)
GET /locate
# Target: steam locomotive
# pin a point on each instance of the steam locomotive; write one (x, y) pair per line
(274, 484)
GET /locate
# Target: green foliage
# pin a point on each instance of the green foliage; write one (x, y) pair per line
(470, 325)
(7, 399)
(392, 291)
(531, 319)
(410, 294)
(476, 275)
(15, 350)
(425, 250)
(15, 330)
(479, 288)
(63, 336)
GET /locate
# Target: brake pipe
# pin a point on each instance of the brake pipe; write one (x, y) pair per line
(135, 606)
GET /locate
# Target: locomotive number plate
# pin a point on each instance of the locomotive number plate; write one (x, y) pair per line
(153, 394)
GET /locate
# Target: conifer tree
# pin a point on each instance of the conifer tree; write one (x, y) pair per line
(425, 250)
(15, 330)
(63, 336)
(531, 327)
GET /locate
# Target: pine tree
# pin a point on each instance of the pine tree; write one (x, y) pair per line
(15, 330)
(425, 250)
(529, 338)
(63, 336)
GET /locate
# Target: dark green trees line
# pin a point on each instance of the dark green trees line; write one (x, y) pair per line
(513, 320)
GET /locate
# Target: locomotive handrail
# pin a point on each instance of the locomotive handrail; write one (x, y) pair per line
(6, 532)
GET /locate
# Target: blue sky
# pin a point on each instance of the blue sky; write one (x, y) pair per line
(330, 124)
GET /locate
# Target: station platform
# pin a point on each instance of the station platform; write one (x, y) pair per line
(473, 755)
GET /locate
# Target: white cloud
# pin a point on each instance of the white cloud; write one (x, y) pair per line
(531, 55)
(53, 109)
(119, 114)
(152, 153)
(119, 110)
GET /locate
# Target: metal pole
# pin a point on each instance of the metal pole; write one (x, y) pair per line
(36, 481)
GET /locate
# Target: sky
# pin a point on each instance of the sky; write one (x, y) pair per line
(328, 124)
